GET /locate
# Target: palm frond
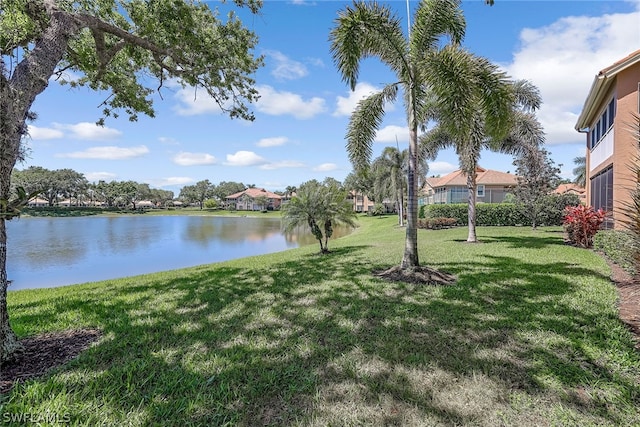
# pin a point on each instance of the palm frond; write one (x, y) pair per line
(526, 134)
(451, 78)
(433, 19)
(580, 171)
(364, 123)
(367, 30)
(527, 95)
(495, 97)
(434, 140)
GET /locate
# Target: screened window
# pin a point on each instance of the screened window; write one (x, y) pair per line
(612, 112)
(602, 191)
(603, 124)
(480, 190)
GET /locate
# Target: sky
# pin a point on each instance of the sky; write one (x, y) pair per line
(302, 114)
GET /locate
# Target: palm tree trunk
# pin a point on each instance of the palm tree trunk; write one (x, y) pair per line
(410, 258)
(400, 201)
(471, 186)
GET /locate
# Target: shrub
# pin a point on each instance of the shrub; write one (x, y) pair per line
(210, 204)
(582, 223)
(378, 209)
(553, 211)
(618, 246)
(437, 223)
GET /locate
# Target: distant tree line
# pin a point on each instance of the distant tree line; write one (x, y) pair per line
(56, 186)
(59, 185)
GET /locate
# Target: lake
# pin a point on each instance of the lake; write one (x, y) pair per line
(49, 252)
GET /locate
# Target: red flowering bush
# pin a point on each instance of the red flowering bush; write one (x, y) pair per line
(582, 223)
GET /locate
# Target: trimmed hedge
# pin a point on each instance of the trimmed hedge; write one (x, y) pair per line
(618, 246)
(437, 223)
(486, 213)
(503, 213)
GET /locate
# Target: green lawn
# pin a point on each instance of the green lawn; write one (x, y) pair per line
(529, 336)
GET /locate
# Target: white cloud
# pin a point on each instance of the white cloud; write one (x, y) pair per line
(245, 158)
(441, 168)
(272, 142)
(195, 101)
(392, 133)
(100, 176)
(107, 153)
(283, 164)
(190, 159)
(277, 103)
(562, 60)
(168, 140)
(325, 167)
(171, 181)
(66, 76)
(88, 131)
(316, 62)
(37, 133)
(346, 105)
(285, 67)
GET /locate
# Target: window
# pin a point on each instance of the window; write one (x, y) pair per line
(602, 191)
(480, 190)
(612, 112)
(603, 124)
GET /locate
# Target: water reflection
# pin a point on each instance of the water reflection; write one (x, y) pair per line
(301, 236)
(46, 252)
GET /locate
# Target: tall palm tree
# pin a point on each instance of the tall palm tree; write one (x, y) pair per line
(371, 30)
(580, 171)
(479, 109)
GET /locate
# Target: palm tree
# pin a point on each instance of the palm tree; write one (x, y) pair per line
(580, 171)
(320, 206)
(479, 109)
(288, 192)
(389, 172)
(370, 30)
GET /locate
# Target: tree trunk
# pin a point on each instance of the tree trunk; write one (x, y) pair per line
(400, 201)
(18, 91)
(471, 186)
(12, 125)
(410, 258)
(10, 347)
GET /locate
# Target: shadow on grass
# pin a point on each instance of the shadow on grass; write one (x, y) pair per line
(317, 340)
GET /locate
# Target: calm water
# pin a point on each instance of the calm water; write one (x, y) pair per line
(48, 252)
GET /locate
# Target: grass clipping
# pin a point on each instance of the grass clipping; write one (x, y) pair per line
(416, 275)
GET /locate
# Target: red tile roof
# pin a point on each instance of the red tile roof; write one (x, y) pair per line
(484, 177)
(570, 188)
(255, 192)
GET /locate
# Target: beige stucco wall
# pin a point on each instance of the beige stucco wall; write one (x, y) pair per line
(625, 148)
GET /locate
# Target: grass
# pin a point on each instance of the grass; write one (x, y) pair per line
(528, 336)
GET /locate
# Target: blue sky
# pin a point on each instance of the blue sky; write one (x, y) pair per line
(304, 107)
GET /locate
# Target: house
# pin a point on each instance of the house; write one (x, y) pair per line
(254, 199)
(607, 119)
(491, 187)
(572, 188)
(38, 203)
(145, 204)
(361, 202)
